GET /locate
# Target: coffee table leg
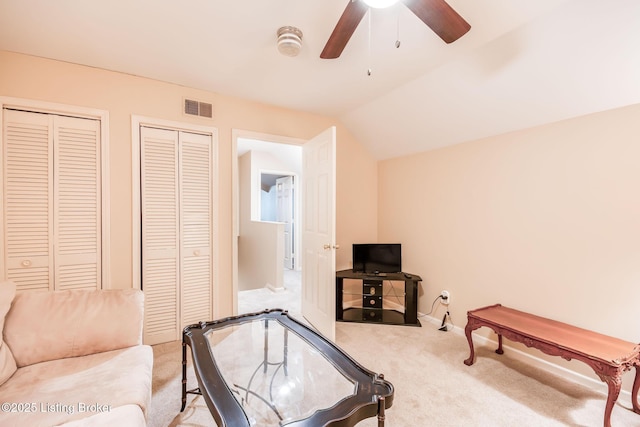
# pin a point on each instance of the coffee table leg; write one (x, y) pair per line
(381, 416)
(184, 376)
(266, 346)
(285, 356)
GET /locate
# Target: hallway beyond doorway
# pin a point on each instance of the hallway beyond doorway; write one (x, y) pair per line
(260, 299)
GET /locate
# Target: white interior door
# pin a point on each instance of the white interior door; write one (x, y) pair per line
(319, 232)
(284, 197)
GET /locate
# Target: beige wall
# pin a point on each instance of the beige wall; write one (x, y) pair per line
(260, 244)
(123, 95)
(545, 220)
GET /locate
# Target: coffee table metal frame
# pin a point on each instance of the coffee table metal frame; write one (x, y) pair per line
(373, 394)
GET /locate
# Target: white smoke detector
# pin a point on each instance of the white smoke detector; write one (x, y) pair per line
(289, 40)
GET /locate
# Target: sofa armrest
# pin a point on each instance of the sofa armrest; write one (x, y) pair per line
(42, 326)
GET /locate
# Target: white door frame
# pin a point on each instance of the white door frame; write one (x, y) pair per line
(136, 242)
(235, 196)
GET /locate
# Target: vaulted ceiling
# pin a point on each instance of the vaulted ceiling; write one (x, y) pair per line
(522, 64)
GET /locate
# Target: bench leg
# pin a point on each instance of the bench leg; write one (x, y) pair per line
(634, 392)
(467, 331)
(614, 384)
(499, 349)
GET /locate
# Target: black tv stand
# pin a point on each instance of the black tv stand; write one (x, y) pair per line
(372, 310)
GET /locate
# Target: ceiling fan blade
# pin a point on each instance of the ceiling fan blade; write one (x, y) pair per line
(344, 29)
(440, 17)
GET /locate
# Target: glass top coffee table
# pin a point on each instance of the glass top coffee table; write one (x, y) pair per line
(268, 369)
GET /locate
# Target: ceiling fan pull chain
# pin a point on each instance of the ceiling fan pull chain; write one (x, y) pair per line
(398, 32)
(369, 46)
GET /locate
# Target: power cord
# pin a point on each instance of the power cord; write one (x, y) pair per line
(432, 306)
(443, 327)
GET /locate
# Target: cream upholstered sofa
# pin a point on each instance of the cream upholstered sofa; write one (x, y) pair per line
(73, 358)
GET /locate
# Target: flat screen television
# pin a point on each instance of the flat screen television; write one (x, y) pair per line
(374, 258)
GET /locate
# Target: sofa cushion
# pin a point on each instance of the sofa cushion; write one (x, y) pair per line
(75, 388)
(43, 326)
(128, 415)
(7, 362)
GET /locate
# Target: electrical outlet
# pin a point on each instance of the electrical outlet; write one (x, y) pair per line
(445, 297)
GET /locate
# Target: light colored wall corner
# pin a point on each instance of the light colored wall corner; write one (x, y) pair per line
(356, 196)
(544, 220)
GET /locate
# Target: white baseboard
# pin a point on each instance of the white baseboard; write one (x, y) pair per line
(274, 288)
(537, 362)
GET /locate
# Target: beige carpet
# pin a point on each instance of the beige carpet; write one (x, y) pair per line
(432, 385)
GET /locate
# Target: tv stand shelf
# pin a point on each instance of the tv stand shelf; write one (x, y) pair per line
(372, 310)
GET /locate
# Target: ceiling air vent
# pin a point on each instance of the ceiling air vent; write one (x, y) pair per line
(196, 108)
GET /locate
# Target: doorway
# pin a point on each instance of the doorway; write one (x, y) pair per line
(278, 192)
(318, 245)
(268, 207)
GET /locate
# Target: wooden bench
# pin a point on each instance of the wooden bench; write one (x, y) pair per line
(609, 357)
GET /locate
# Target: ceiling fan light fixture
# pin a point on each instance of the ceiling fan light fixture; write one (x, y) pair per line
(289, 40)
(380, 4)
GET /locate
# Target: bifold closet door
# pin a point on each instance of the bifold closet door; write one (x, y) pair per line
(176, 173)
(77, 217)
(196, 224)
(51, 201)
(160, 233)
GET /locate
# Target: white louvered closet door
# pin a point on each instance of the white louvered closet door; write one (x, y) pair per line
(196, 223)
(176, 231)
(77, 222)
(28, 199)
(51, 185)
(160, 233)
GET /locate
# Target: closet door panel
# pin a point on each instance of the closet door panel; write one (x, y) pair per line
(160, 233)
(28, 199)
(196, 226)
(78, 196)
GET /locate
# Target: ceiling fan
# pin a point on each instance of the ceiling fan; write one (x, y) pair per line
(437, 14)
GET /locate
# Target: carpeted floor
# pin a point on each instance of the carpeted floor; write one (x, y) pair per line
(433, 387)
(288, 298)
